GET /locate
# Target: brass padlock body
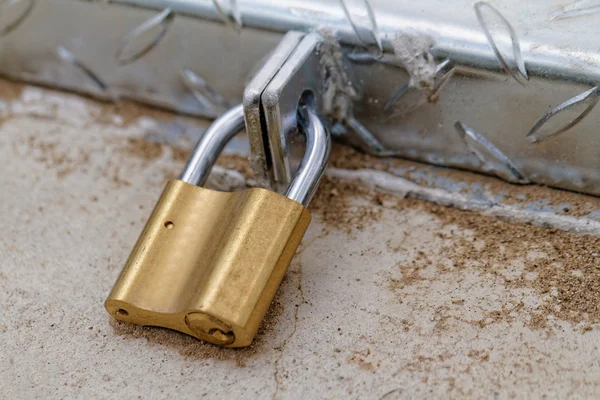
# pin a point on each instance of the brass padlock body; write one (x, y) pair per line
(209, 263)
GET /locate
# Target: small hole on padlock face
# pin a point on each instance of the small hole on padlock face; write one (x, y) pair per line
(122, 312)
(169, 225)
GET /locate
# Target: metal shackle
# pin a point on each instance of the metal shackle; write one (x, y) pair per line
(224, 128)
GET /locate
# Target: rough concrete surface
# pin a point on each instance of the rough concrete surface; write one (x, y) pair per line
(386, 297)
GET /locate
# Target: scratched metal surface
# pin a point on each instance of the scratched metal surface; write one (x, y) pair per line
(517, 100)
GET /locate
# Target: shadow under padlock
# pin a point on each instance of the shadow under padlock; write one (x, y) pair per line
(209, 263)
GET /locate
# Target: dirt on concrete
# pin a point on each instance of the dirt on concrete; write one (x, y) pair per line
(562, 267)
(387, 297)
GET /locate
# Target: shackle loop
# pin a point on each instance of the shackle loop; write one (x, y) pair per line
(211, 144)
(224, 128)
(315, 159)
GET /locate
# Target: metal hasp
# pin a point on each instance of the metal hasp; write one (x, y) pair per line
(209, 263)
(290, 77)
(493, 87)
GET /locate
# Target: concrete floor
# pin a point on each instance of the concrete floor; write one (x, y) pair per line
(376, 304)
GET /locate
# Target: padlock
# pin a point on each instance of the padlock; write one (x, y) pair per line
(209, 263)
